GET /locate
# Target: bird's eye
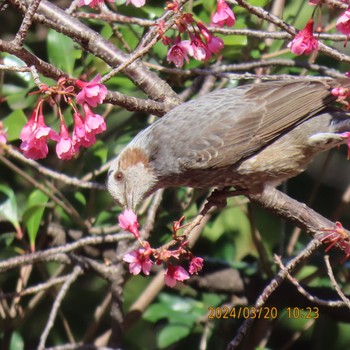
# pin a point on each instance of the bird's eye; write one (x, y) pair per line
(119, 176)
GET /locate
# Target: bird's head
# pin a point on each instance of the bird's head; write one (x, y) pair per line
(130, 177)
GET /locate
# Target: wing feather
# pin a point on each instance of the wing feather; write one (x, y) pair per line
(228, 125)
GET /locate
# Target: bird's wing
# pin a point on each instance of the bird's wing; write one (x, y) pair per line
(228, 125)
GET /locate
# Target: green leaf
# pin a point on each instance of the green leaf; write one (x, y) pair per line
(121, 83)
(177, 310)
(80, 198)
(234, 40)
(6, 239)
(8, 208)
(156, 312)
(160, 49)
(17, 342)
(152, 11)
(33, 214)
(62, 51)
(212, 299)
(176, 303)
(104, 216)
(106, 31)
(232, 222)
(25, 77)
(171, 334)
(209, 5)
(342, 336)
(100, 151)
(20, 99)
(260, 3)
(14, 124)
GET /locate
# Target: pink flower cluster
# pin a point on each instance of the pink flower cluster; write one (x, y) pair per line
(223, 15)
(337, 237)
(343, 96)
(35, 134)
(305, 42)
(197, 48)
(340, 92)
(97, 3)
(343, 22)
(128, 222)
(141, 259)
(84, 131)
(92, 3)
(202, 44)
(92, 92)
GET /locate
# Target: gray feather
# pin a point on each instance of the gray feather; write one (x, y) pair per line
(228, 125)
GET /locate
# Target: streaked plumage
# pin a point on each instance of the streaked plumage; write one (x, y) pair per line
(243, 137)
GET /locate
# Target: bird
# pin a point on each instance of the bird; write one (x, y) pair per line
(245, 137)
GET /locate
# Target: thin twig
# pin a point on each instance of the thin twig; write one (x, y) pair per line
(35, 289)
(80, 346)
(54, 17)
(67, 207)
(335, 283)
(68, 180)
(30, 59)
(42, 255)
(100, 311)
(263, 14)
(272, 286)
(305, 293)
(26, 23)
(77, 271)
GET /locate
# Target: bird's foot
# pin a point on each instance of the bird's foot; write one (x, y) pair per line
(218, 198)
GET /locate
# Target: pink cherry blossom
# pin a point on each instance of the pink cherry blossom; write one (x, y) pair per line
(92, 3)
(35, 135)
(314, 2)
(136, 3)
(175, 273)
(214, 43)
(304, 42)
(64, 147)
(79, 131)
(166, 254)
(128, 222)
(343, 22)
(140, 260)
(341, 93)
(92, 92)
(178, 52)
(223, 15)
(93, 121)
(337, 237)
(85, 129)
(94, 124)
(3, 136)
(198, 49)
(196, 264)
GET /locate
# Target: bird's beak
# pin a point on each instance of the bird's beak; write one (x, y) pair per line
(129, 200)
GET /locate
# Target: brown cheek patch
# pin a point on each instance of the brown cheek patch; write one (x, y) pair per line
(131, 157)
